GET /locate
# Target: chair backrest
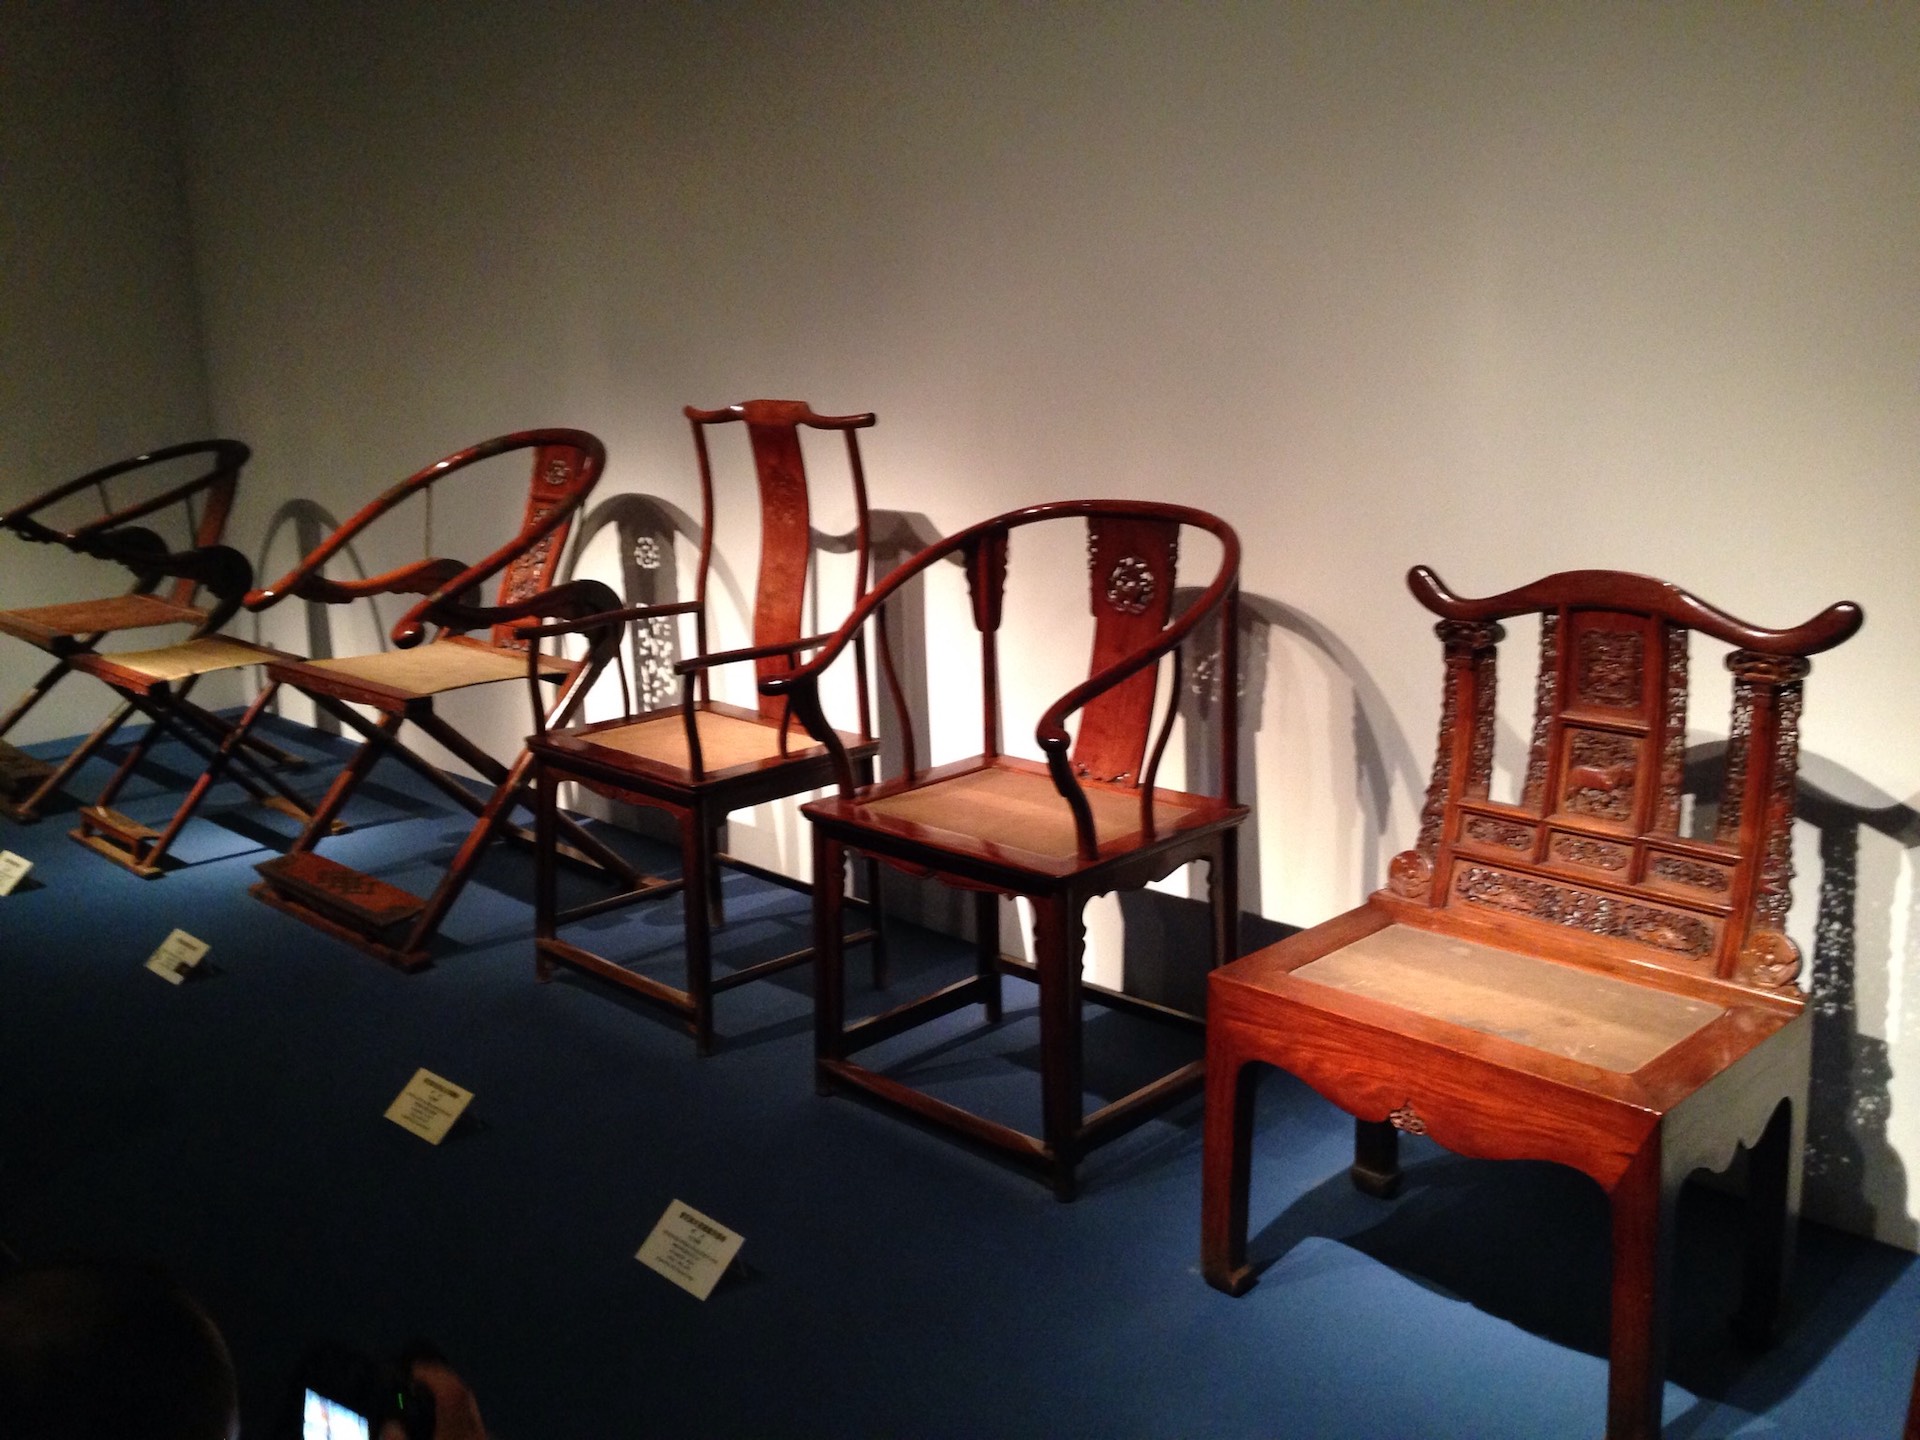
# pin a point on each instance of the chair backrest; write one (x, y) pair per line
(786, 529)
(566, 466)
(1594, 845)
(206, 499)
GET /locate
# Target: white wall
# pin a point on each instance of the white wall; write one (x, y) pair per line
(1503, 289)
(98, 313)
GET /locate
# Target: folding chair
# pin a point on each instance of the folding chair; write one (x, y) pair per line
(158, 683)
(400, 686)
(75, 628)
(702, 759)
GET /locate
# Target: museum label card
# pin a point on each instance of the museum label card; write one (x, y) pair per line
(429, 1106)
(177, 956)
(690, 1249)
(13, 869)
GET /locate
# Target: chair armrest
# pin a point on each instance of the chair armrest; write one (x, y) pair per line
(418, 578)
(610, 617)
(751, 652)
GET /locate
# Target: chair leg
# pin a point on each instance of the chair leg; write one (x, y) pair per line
(716, 898)
(1227, 1162)
(986, 951)
(877, 922)
(546, 805)
(225, 754)
(1376, 1158)
(1223, 891)
(379, 738)
(829, 991)
(467, 858)
(1643, 1205)
(1058, 941)
(697, 868)
(1773, 1215)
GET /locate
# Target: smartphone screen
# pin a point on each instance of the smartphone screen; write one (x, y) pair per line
(324, 1419)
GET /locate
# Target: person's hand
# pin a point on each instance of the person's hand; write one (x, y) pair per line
(456, 1414)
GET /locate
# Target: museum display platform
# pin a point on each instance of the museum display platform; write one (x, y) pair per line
(891, 1283)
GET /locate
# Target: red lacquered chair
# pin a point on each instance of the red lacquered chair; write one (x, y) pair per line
(1088, 821)
(75, 628)
(1570, 978)
(400, 685)
(701, 759)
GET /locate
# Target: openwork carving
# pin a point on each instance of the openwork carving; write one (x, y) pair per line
(1407, 1119)
(1608, 665)
(1546, 695)
(1775, 894)
(1594, 854)
(646, 552)
(1130, 585)
(1507, 834)
(1480, 757)
(1673, 731)
(559, 472)
(1696, 874)
(1733, 796)
(1600, 775)
(1596, 914)
(654, 647)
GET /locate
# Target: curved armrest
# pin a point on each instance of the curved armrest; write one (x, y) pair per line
(609, 617)
(417, 578)
(230, 455)
(751, 652)
(300, 580)
(587, 606)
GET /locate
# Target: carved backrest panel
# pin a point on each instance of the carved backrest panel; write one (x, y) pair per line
(1130, 568)
(786, 533)
(562, 476)
(1594, 844)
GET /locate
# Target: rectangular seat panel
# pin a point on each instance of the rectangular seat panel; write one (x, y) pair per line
(1018, 809)
(1579, 1015)
(725, 740)
(432, 669)
(177, 662)
(44, 624)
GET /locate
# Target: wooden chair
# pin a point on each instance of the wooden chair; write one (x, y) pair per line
(158, 683)
(1089, 821)
(76, 628)
(400, 686)
(701, 759)
(1569, 978)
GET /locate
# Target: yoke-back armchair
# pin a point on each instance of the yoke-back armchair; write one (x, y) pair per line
(1572, 977)
(701, 759)
(1090, 820)
(401, 684)
(78, 627)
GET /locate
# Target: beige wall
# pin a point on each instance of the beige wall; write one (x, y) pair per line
(1502, 289)
(98, 314)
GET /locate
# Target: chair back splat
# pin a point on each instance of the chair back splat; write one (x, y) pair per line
(1573, 977)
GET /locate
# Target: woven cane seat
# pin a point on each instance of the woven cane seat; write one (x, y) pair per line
(204, 656)
(725, 740)
(1016, 810)
(432, 669)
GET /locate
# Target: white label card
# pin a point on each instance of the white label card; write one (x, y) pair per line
(13, 869)
(178, 954)
(690, 1249)
(429, 1106)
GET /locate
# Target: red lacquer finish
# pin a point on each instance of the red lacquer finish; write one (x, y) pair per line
(1645, 1021)
(701, 759)
(70, 630)
(1088, 821)
(434, 654)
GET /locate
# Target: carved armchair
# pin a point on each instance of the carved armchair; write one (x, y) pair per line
(1569, 978)
(1091, 820)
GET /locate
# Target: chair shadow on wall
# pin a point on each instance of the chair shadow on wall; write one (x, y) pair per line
(1527, 1242)
(1164, 931)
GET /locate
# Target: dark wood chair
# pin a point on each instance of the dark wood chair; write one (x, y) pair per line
(400, 685)
(1089, 821)
(1569, 978)
(75, 628)
(157, 682)
(701, 759)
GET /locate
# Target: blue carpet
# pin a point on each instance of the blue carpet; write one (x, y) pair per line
(893, 1283)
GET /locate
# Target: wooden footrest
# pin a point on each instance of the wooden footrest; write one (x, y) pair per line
(360, 902)
(99, 821)
(19, 771)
